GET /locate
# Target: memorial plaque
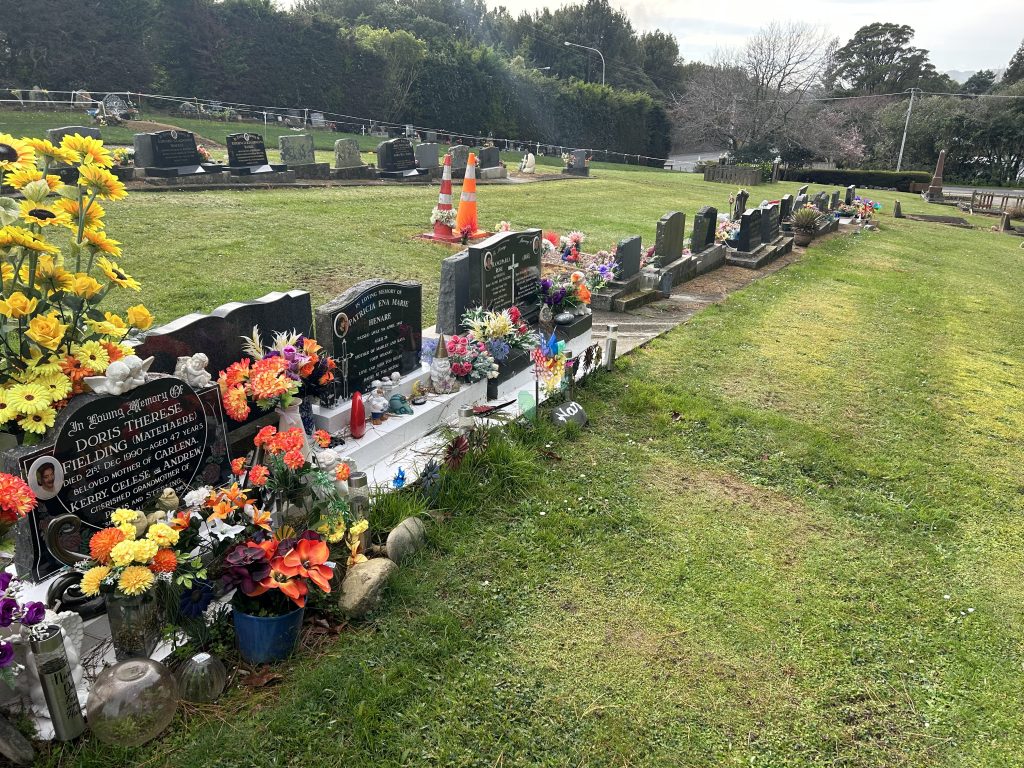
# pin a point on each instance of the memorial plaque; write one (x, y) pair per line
(246, 149)
(114, 451)
(504, 271)
(570, 412)
(373, 329)
(396, 155)
(173, 149)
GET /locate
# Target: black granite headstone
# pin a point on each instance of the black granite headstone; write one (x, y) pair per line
(504, 271)
(834, 201)
(170, 153)
(769, 224)
(396, 155)
(749, 237)
(802, 190)
(246, 149)
(785, 207)
(851, 194)
(489, 157)
(739, 204)
(704, 225)
(668, 241)
(374, 329)
(628, 256)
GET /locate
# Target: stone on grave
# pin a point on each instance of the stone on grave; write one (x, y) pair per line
(628, 254)
(405, 539)
(248, 154)
(803, 190)
(498, 273)
(749, 237)
(427, 156)
(739, 204)
(489, 157)
(396, 159)
(785, 207)
(296, 150)
(770, 224)
(897, 210)
(113, 451)
(851, 194)
(346, 154)
(362, 586)
(834, 201)
(704, 225)
(1004, 222)
(460, 156)
(373, 329)
(55, 135)
(668, 242)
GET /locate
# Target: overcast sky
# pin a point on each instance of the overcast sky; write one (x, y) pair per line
(960, 34)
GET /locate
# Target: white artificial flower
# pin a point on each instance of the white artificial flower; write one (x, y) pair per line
(197, 497)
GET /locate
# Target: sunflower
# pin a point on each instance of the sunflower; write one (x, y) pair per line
(88, 151)
(19, 179)
(101, 182)
(94, 213)
(27, 399)
(54, 154)
(38, 423)
(58, 385)
(102, 542)
(15, 154)
(98, 240)
(112, 326)
(92, 355)
(115, 275)
(19, 236)
(41, 215)
(136, 580)
(92, 579)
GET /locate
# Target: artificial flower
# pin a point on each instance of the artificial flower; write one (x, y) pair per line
(258, 475)
(122, 516)
(87, 150)
(307, 559)
(181, 520)
(37, 423)
(113, 325)
(16, 498)
(238, 465)
(261, 518)
(101, 182)
(86, 286)
(7, 411)
(164, 561)
(47, 330)
(123, 553)
(91, 580)
(195, 601)
(27, 399)
(58, 385)
(140, 317)
(343, 472)
(163, 534)
(129, 531)
(98, 239)
(236, 403)
(102, 542)
(15, 154)
(294, 459)
(51, 153)
(41, 215)
(322, 437)
(92, 355)
(144, 550)
(18, 305)
(116, 275)
(92, 219)
(135, 580)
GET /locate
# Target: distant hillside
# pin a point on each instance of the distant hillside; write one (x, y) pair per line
(962, 76)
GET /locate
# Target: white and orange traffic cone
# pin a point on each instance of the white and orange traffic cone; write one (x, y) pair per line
(466, 217)
(444, 197)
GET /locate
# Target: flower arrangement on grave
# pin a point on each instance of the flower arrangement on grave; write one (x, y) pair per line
(470, 358)
(599, 269)
(124, 156)
(806, 219)
(272, 575)
(503, 226)
(848, 211)
(866, 207)
(567, 159)
(726, 230)
(502, 332)
(57, 262)
(549, 360)
(16, 501)
(647, 257)
(292, 367)
(12, 610)
(572, 246)
(204, 153)
(563, 292)
(549, 244)
(445, 217)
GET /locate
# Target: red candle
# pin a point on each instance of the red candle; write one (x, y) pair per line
(357, 426)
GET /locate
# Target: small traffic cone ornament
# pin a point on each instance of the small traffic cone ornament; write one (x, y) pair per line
(444, 198)
(466, 217)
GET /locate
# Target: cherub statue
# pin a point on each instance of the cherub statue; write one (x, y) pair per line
(192, 370)
(121, 376)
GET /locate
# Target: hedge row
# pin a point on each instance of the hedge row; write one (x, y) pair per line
(899, 180)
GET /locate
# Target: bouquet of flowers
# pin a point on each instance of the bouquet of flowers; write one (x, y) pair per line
(563, 291)
(124, 156)
(16, 501)
(54, 333)
(598, 270)
(503, 226)
(726, 230)
(269, 571)
(550, 244)
(549, 363)
(572, 246)
(294, 366)
(445, 217)
(568, 159)
(204, 153)
(470, 359)
(502, 331)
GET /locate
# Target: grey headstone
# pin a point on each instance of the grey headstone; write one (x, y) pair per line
(430, 136)
(851, 193)
(739, 204)
(668, 242)
(628, 256)
(56, 134)
(769, 224)
(704, 225)
(897, 210)
(489, 157)
(802, 190)
(1004, 222)
(427, 155)
(143, 150)
(800, 202)
(821, 202)
(785, 207)
(834, 201)
(460, 156)
(453, 295)
(749, 237)
(346, 154)
(296, 150)
(579, 158)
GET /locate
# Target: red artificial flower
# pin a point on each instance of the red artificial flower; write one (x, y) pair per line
(164, 561)
(323, 438)
(238, 466)
(258, 475)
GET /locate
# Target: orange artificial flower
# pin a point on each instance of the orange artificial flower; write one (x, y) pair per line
(261, 519)
(264, 436)
(238, 465)
(258, 475)
(102, 542)
(235, 374)
(236, 403)
(294, 459)
(307, 560)
(343, 472)
(295, 589)
(584, 293)
(181, 520)
(164, 561)
(322, 437)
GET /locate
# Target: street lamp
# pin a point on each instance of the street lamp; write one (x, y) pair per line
(587, 47)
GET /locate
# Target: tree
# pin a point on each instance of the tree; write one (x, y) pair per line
(880, 59)
(404, 54)
(980, 82)
(1015, 69)
(660, 60)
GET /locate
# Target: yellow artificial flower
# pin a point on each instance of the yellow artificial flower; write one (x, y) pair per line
(122, 516)
(36, 191)
(123, 552)
(58, 280)
(39, 364)
(115, 274)
(38, 423)
(19, 179)
(90, 584)
(7, 411)
(27, 399)
(101, 182)
(144, 550)
(112, 326)
(359, 528)
(18, 305)
(94, 213)
(128, 529)
(136, 580)
(46, 330)
(58, 385)
(162, 535)
(86, 285)
(140, 317)
(98, 239)
(41, 215)
(6, 272)
(92, 356)
(15, 154)
(88, 151)
(51, 153)
(18, 236)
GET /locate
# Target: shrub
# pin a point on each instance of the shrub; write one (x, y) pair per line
(805, 219)
(1017, 213)
(900, 180)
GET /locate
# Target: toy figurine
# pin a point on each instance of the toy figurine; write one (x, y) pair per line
(121, 376)
(398, 404)
(377, 403)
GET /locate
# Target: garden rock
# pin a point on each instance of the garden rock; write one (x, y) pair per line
(406, 539)
(362, 586)
(13, 745)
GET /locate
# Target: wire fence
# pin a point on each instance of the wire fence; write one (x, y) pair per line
(115, 105)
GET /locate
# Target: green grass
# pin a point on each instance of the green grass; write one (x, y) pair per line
(757, 580)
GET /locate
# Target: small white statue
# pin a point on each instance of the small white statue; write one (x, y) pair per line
(192, 370)
(390, 384)
(328, 460)
(121, 376)
(529, 164)
(377, 403)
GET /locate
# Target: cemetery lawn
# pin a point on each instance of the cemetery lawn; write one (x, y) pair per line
(790, 537)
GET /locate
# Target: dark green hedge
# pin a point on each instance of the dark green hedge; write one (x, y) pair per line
(900, 180)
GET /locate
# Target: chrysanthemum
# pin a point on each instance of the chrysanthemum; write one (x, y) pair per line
(92, 579)
(129, 531)
(144, 550)
(322, 437)
(236, 403)
(162, 534)
(15, 154)
(16, 497)
(27, 399)
(136, 580)
(165, 561)
(102, 542)
(88, 151)
(37, 423)
(94, 213)
(99, 240)
(92, 355)
(121, 516)
(101, 182)
(123, 553)
(258, 475)
(266, 385)
(238, 465)
(343, 472)
(294, 459)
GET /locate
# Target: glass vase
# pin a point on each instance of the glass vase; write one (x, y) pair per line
(134, 625)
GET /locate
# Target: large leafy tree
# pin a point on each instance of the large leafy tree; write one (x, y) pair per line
(880, 59)
(980, 82)
(1015, 69)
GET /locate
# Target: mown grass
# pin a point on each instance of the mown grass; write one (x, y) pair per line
(744, 560)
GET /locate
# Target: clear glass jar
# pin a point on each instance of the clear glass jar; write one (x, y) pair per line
(132, 702)
(134, 624)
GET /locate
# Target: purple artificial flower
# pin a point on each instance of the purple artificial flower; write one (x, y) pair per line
(5, 581)
(7, 608)
(245, 567)
(289, 352)
(545, 285)
(6, 654)
(34, 613)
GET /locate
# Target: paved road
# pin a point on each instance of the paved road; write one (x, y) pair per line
(685, 161)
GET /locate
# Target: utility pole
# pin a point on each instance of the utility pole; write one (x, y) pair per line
(906, 125)
(588, 48)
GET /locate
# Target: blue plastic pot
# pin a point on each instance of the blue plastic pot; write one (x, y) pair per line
(264, 640)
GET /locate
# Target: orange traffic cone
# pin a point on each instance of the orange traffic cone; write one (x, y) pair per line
(444, 198)
(466, 217)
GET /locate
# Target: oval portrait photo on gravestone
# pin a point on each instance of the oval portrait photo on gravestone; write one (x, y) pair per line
(488, 261)
(45, 477)
(341, 325)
